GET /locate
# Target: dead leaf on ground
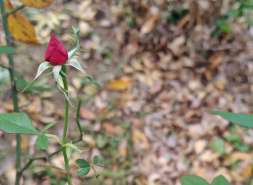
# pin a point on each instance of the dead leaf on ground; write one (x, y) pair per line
(119, 85)
(214, 62)
(37, 3)
(112, 129)
(87, 114)
(139, 139)
(20, 27)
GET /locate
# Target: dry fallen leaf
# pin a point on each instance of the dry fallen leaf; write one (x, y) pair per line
(119, 85)
(215, 60)
(20, 27)
(37, 3)
(140, 140)
(247, 171)
(87, 114)
(112, 129)
(149, 25)
(122, 148)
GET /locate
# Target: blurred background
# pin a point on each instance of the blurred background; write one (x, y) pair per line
(157, 68)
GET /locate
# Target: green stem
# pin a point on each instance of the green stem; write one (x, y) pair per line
(65, 130)
(78, 119)
(13, 88)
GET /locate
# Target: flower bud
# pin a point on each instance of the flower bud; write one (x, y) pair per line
(56, 53)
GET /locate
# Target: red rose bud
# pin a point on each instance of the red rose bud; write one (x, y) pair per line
(56, 53)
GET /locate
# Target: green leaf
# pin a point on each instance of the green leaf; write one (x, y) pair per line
(75, 63)
(101, 141)
(18, 123)
(6, 50)
(217, 145)
(56, 72)
(220, 180)
(233, 138)
(42, 67)
(33, 87)
(76, 48)
(84, 167)
(193, 180)
(99, 161)
(244, 120)
(48, 126)
(42, 142)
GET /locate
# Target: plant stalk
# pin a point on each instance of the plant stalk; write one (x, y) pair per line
(65, 130)
(13, 88)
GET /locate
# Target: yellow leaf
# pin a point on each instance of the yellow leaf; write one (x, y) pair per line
(20, 27)
(139, 139)
(247, 171)
(119, 85)
(37, 3)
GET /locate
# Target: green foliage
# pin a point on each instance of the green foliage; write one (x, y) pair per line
(217, 145)
(18, 123)
(242, 8)
(76, 46)
(42, 142)
(101, 141)
(27, 87)
(84, 167)
(193, 180)
(237, 143)
(222, 26)
(220, 180)
(99, 161)
(6, 50)
(196, 180)
(244, 120)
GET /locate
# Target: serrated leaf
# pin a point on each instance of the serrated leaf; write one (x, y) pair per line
(42, 142)
(217, 145)
(193, 180)
(42, 67)
(37, 3)
(75, 63)
(6, 50)
(20, 27)
(18, 123)
(84, 167)
(220, 180)
(244, 120)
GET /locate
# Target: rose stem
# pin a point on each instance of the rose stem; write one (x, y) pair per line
(66, 118)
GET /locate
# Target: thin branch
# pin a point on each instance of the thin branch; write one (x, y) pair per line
(29, 163)
(15, 10)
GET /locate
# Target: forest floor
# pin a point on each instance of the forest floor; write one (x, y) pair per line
(162, 67)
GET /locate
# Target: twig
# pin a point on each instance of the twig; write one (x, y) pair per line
(28, 164)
